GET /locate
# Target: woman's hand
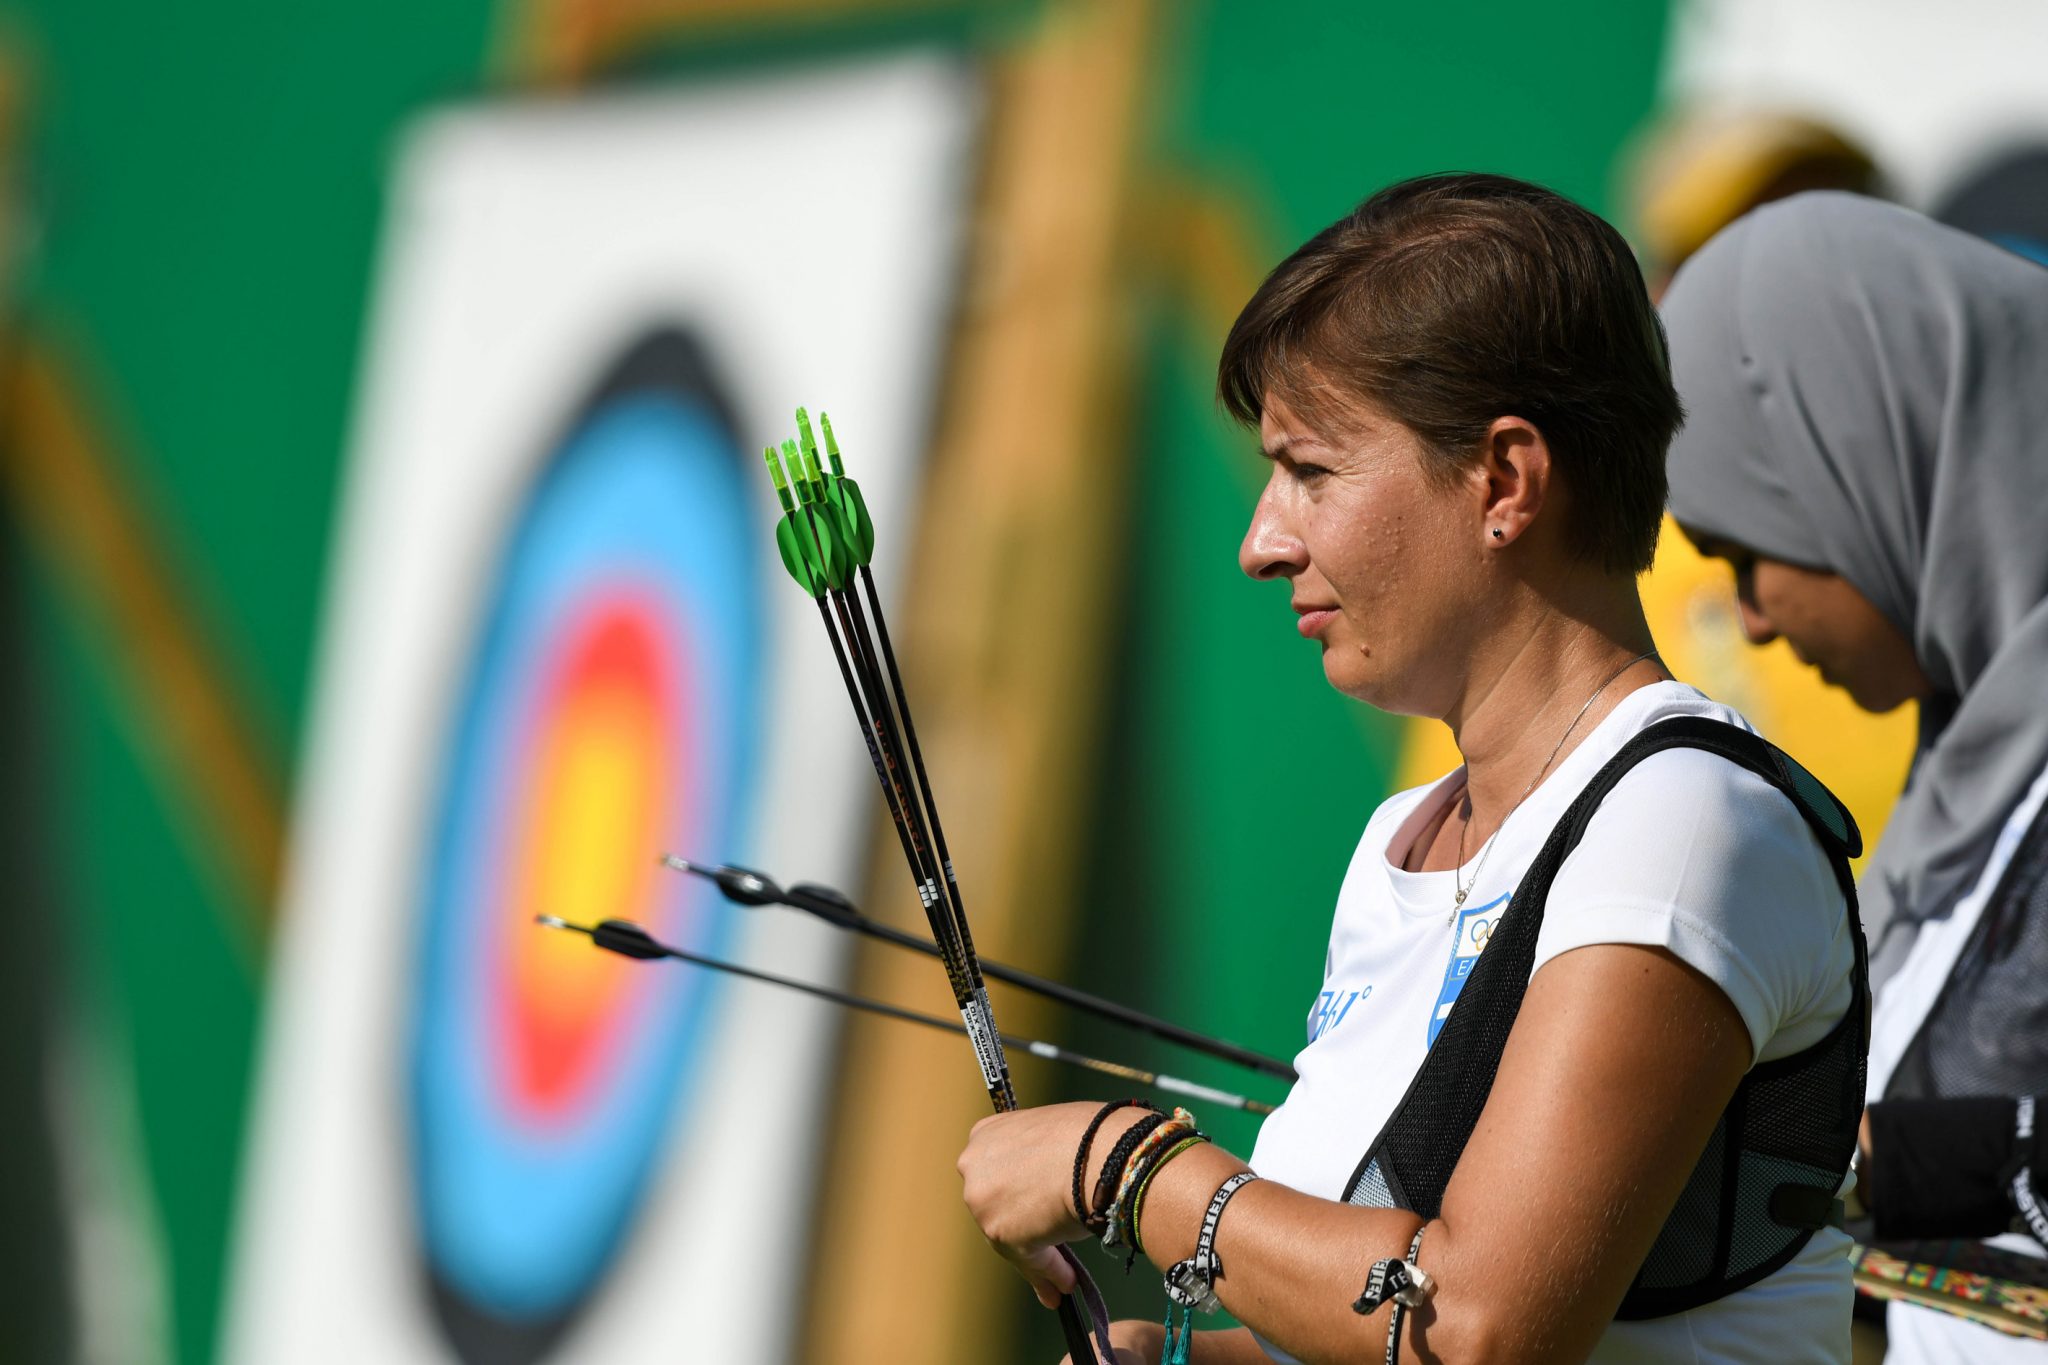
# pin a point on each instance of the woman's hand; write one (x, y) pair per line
(1017, 1177)
(1136, 1341)
(1141, 1342)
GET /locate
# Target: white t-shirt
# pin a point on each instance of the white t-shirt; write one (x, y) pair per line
(1688, 853)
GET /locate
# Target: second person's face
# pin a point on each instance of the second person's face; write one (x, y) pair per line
(1829, 625)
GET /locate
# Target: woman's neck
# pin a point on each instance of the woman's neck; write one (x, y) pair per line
(1526, 701)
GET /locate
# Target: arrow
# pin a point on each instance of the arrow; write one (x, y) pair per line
(837, 536)
(744, 886)
(630, 940)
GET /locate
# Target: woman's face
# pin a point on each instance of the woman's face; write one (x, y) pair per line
(1829, 625)
(1382, 560)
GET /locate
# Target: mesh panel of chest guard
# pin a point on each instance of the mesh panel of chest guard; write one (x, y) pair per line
(1808, 1112)
(1756, 1237)
(1796, 1126)
(1988, 1031)
(1684, 1252)
(1372, 1191)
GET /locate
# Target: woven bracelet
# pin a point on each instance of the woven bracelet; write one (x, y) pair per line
(1088, 1141)
(1113, 1167)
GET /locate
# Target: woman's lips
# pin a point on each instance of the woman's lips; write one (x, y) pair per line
(1311, 623)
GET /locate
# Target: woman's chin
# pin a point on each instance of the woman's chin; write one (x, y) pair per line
(1346, 671)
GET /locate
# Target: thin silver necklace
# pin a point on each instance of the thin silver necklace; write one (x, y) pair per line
(1486, 850)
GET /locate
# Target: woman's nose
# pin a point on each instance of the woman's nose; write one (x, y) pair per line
(1269, 548)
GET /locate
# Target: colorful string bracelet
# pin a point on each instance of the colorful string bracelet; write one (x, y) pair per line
(1116, 1233)
(1145, 1184)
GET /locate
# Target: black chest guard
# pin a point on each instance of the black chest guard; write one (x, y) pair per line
(1768, 1177)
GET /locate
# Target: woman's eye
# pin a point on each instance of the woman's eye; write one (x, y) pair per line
(1310, 473)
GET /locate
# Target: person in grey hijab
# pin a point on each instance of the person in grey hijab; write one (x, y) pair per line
(1867, 445)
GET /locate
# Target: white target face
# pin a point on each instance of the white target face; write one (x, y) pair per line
(559, 643)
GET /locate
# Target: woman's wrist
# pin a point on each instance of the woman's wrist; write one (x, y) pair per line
(1171, 1219)
(1108, 1137)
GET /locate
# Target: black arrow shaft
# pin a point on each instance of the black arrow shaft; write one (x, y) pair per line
(643, 947)
(1071, 996)
(745, 886)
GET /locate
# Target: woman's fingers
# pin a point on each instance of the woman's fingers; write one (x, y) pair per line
(1044, 1269)
(1136, 1342)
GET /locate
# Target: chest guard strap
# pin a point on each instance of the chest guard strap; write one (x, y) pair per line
(1767, 1180)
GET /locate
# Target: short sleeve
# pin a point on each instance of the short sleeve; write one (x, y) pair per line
(1695, 855)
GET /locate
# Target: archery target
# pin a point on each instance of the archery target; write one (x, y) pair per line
(559, 644)
(607, 717)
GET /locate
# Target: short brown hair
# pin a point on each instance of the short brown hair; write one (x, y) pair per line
(1451, 300)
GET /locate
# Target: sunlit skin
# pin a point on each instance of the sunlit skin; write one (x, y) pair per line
(1622, 1058)
(1829, 625)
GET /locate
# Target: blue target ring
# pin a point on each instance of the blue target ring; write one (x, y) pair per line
(608, 714)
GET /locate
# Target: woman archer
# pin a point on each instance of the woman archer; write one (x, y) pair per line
(1625, 1140)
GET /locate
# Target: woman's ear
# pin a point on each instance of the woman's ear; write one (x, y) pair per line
(1513, 475)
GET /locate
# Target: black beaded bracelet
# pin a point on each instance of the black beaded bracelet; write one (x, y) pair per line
(1113, 1167)
(1088, 1141)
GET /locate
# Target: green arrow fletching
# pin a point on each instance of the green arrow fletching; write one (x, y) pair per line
(826, 532)
(856, 525)
(793, 543)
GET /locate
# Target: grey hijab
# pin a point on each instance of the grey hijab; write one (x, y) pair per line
(1868, 394)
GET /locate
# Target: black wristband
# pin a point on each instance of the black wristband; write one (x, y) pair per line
(1113, 1167)
(2020, 1177)
(1940, 1167)
(1088, 1141)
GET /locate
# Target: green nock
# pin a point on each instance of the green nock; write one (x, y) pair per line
(803, 432)
(832, 561)
(799, 553)
(812, 473)
(779, 478)
(800, 479)
(831, 446)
